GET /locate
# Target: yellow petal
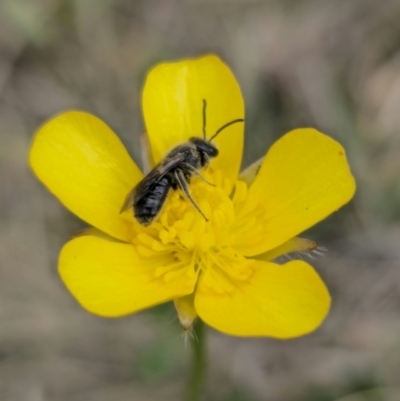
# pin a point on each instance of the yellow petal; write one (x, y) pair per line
(281, 301)
(296, 244)
(84, 164)
(303, 179)
(173, 108)
(186, 311)
(249, 174)
(109, 278)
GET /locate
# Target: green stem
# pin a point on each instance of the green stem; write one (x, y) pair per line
(199, 366)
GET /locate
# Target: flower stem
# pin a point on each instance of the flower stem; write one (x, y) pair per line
(199, 365)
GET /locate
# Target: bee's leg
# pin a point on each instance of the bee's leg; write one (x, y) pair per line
(206, 181)
(194, 171)
(180, 178)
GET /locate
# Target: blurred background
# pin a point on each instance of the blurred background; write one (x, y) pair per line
(329, 64)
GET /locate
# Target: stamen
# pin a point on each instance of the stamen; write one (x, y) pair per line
(181, 243)
(144, 251)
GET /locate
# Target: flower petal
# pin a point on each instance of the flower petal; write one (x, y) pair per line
(109, 278)
(186, 311)
(281, 301)
(295, 244)
(84, 164)
(303, 179)
(249, 174)
(173, 108)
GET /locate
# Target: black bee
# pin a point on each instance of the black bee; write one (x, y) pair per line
(173, 172)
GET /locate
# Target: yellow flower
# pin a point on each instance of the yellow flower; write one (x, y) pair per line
(219, 270)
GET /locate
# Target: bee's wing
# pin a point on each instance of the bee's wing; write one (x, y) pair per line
(153, 177)
(129, 201)
(168, 164)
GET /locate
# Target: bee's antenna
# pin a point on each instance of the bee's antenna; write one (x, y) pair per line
(239, 120)
(204, 117)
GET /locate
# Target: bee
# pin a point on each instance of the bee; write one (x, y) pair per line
(174, 171)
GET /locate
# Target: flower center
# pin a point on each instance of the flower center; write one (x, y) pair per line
(181, 228)
(197, 244)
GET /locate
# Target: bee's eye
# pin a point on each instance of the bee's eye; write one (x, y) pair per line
(209, 150)
(204, 146)
(213, 152)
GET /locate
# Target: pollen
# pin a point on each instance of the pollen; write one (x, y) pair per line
(199, 245)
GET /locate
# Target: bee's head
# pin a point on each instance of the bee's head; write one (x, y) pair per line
(204, 147)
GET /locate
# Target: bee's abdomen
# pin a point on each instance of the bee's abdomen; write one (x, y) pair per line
(147, 207)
